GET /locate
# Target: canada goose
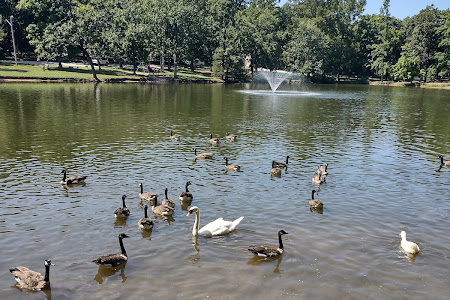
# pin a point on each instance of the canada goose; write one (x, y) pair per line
(167, 201)
(72, 179)
(122, 211)
(408, 247)
(231, 137)
(231, 167)
(269, 251)
(324, 170)
(148, 196)
(278, 164)
(114, 260)
(145, 223)
(202, 155)
(213, 141)
(31, 280)
(444, 163)
(217, 227)
(163, 210)
(275, 170)
(174, 137)
(318, 178)
(315, 203)
(186, 195)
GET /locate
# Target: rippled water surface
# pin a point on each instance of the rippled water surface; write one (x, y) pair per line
(382, 145)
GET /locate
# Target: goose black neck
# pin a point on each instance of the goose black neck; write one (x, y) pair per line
(187, 184)
(142, 188)
(195, 151)
(287, 159)
(122, 247)
(312, 196)
(210, 135)
(64, 175)
(226, 161)
(47, 273)
(145, 211)
(123, 202)
(171, 133)
(442, 161)
(280, 241)
(165, 192)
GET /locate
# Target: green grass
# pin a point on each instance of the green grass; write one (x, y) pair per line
(23, 71)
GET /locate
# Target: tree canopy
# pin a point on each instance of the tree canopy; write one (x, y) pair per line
(323, 39)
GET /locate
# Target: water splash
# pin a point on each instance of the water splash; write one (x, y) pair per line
(275, 78)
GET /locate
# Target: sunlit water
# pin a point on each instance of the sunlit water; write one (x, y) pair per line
(382, 146)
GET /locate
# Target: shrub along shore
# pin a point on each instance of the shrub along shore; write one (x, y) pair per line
(44, 72)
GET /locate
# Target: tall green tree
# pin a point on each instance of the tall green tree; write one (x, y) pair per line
(443, 54)
(261, 28)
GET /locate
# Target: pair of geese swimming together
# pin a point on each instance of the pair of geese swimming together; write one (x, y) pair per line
(213, 141)
(209, 155)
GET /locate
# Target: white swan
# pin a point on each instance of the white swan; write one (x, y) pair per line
(408, 247)
(217, 227)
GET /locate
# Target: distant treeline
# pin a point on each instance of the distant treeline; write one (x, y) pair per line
(323, 39)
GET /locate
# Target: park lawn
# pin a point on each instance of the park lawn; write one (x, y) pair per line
(23, 71)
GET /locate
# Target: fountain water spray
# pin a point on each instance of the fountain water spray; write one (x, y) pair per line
(275, 78)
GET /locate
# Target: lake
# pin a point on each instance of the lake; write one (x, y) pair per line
(381, 143)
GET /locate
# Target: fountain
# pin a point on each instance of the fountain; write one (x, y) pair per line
(275, 78)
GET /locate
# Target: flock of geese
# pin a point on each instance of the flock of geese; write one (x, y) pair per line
(34, 281)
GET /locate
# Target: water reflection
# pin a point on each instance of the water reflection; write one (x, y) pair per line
(104, 271)
(194, 258)
(120, 221)
(318, 210)
(146, 233)
(258, 260)
(47, 290)
(184, 204)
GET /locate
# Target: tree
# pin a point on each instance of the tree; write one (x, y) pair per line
(424, 40)
(443, 54)
(261, 29)
(307, 49)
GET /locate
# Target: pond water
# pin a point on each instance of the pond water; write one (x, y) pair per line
(381, 143)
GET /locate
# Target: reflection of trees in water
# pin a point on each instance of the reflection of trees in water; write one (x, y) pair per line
(104, 271)
(258, 260)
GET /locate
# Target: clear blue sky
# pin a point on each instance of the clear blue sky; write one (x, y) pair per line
(401, 8)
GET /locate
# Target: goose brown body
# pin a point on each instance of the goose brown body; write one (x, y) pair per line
(163, 210)
(315, 203)
(72, 179)
(167, 201)
(445, 164)
(231, 167)
(275, 170)
(268, 250)
(122, 211)
(231, 137)
(148, 196)
(113, 260)
(186, 195)
(213, 141)
(145, 223)
(174, 137)
(204, 155)
(278, 164)
(32, 280)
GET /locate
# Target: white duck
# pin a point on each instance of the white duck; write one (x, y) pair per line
(408, 247)
(217, 227)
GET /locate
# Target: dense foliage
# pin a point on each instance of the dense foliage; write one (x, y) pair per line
(323, 39)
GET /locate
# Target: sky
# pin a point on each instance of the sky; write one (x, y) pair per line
(401, 8)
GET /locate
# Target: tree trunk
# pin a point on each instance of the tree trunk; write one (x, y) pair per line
(89, 59)
(58, 58)
(175, 67)
(134, 66)
(192, 65)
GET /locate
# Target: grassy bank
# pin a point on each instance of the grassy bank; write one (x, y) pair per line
(24, 72)
(432, 85)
